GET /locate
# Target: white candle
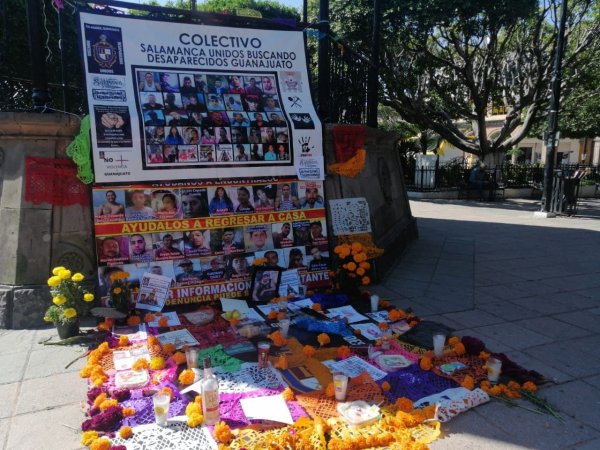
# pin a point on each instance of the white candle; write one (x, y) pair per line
(439, 340)
(374, 303)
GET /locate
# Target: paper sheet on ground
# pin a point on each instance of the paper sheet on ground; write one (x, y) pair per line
(179, 338)
(267, 408)
(171, 317)
(124, 359)
(304, 303)
(368, 330)
(346, 312)
(354, 366)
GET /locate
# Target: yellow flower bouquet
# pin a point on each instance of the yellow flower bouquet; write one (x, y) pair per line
(70, 300)
(352, 268)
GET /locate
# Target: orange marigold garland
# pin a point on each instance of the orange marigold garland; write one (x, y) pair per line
(169, 348)
(140, 364)
(163, 322)
(309, 351)
(344, 352)
(187, 377)
(179, 358)
(149, 318)
(323, 339)
(404, 404)
(222, 433)
(101, 444)
(425, 363)
(126, 432)
(288, 394)
(123, 341)
(277, 338)
(330, 390)
(88, 437)
(133, 320)
(157, 363)
(529, 386)
(316, 307)
(128, 412)
(468, 382)
(272, 315)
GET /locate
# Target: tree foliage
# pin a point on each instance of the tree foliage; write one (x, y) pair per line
(268, 8)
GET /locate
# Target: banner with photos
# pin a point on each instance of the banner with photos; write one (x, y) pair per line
(205, 235)
(183, 101)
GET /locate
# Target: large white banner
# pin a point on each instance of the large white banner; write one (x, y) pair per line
(172, 101)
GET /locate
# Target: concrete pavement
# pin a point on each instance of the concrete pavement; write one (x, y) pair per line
(528, 287)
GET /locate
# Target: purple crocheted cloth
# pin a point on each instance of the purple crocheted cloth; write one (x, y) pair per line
(144, 409)
(414, 383)
(231, 408)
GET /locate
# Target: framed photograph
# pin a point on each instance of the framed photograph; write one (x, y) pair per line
(265, 284)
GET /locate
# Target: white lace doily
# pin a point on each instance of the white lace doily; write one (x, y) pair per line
(454, 401)
(174, 436)
(248, 378)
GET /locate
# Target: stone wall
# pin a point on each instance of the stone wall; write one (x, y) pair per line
(34, 238)
(382, 184)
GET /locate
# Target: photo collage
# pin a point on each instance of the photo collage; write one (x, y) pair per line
(211, 254)
(211, 119)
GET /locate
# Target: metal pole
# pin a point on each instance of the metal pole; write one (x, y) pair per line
(63, 70)
(373, 86)
(305, 11)
(40, 95)
(553, 113)
(324, 61)
(193, 5)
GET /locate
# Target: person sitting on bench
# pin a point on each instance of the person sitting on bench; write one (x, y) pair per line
(478, 179)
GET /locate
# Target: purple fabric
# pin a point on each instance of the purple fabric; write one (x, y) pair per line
(144, 409)
(233, 415)
(415, 383)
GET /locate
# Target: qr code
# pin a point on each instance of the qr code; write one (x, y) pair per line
(350, 216)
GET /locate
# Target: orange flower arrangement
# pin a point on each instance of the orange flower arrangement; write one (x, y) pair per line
(163, 322)
(99, 399)
(468, 382)
(153, 340)
(126, 432)
(123, 341)
(404, 404)
(529, 386)
(272, 315)
(107, 404)
(105, 326)
(169, 348)
(140, 364)
(282, 363)
(309, 351)
(344, 352)
(193, 411)
(330, 390)
(277, 338)
(281, 315)
(157, 363)
(323, 339)
(187, 377)
(316, 307)
(425, 363)
(133, 320)
(385, 386)
(222, 433)
(384, 326)
(101, 444)
(288, 394)
(459, 348)
(396, 314)
(149, 318)
(496, 390)
(128, 412)
(453, 340)
(179, 358)
(484, 355)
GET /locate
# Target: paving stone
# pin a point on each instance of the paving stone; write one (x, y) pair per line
(513, 335)
(16, 362)
(8, 394)
(551, 327)
(584, 319)
(54, 429)
(43, 363)
(4, 432)
(491, 344)
(444, 320)
(474, 318)
(589, 344)
(594, 381)
(506, 310)
(564, 356)
(594, 444)
(30, 399)
(577, 399)
(530, 363)
(16, 340)
(543, 305)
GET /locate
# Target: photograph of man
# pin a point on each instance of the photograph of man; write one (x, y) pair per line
(268, 135)
(155, 135)
(271, 103)
(149, 101)
(242, 152)
(281, 235)
(215, 103)
(222, 135)
(282, 135)
(256, 152)
(301, 232)
(195, 243)
(201, 83)
(252, 86)
(194, 103)
(254, 136)
(312, 198)
(282, 152)
(174, 119)
(239, 135)
(154, 118)
(243, 201)
(318, 261)
(112, 209)
(197, 119)
(260, 120)
(227, 241)
(251, 102)
(235, 85)
(269, 153)
(265, 286)
(186, 86)
(263, 200)
(207, 153)
(237, 267)
(216, 118)
(148, 83)
(295, 258)
(238, 119)
(273, 257)
(166, 204)
(233, 102)
(138, 209)
(140, 249)
(170, 154)
(194, 203)
(217, 85)
(275, 120)
(215, 270)
(258, 238)
(173, 102)
(268, 85)
(169, 83)
(186, 274)
(220, 202)
(112, 249)
(287, 197)
(167, 246)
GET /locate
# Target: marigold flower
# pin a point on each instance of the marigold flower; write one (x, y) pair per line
(169, 348)
(351, 266)
(126, 432)
(277, 338)
(529, 386)
(57, 270)
(128, 412)
(149, 317)
(360, 271)
(100, 444)
(330, 390)
(356, 247)
(140, 364)
(385, 386)
(99, 399)
(459, 348)
(496, 390)
(69, 313)
(468, 382)
(282, 363)
(167, 390)
(514, 385)
(344, 352)
(364, 265)
(104, 326)
(88, 437)
(179, 358)
(323, 339)
(365, 281)
(59, 300)
(222, 433)
(187, 377)
(195, 420)
(453, 340)
(157, 363)
(425, 363)
(77, 277)
(384, 326)
(396, 314)
(163, 322)
(404, 404)
(309, 351)
(117, 290)
(123, 341)
(288, 394)
(64, 274)
(107, 404)
(272, 315)
(133, 320)
(316, 307)
(357, 331)
(54, 281)
(88, 297)
(484, 355)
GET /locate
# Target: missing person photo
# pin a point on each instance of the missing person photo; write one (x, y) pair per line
(265, 285)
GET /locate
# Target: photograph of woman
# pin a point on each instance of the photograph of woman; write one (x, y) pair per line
(220, 203)
(174, 138)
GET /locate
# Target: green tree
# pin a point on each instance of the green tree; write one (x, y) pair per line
(269, 9)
